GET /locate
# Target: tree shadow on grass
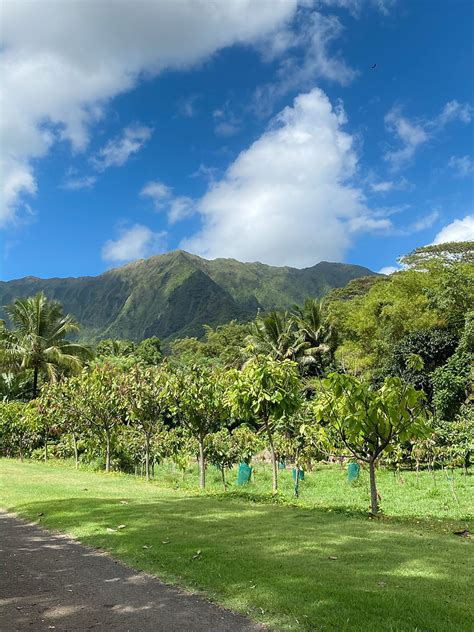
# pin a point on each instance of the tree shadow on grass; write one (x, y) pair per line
(307, 569)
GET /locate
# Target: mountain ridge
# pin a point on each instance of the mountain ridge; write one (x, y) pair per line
(174, 294)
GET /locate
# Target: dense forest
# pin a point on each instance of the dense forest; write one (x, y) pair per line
(379, 372)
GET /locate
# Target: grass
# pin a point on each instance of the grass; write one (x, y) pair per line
(321, 565)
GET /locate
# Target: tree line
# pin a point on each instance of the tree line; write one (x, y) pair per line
(378, 371)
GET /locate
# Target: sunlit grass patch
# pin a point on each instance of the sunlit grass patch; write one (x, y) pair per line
(313, 566)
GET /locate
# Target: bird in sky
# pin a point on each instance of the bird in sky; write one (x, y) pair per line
(374, 66)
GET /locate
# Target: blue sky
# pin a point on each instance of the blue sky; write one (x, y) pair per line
(250, 129)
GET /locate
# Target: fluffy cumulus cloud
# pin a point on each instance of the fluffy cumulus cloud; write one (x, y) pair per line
(412, 134)
(60, 69)
(288, 199)
(135, 242)
(459, 230)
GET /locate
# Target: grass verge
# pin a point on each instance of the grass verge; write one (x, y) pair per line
(294, 568)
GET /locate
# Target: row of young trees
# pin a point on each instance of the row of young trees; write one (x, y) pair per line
(226, 415)
(355, 376)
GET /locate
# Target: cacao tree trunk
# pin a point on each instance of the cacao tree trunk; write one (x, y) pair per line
(374, 499)
(223, 478)
(107, 450)
(76, 452)
(274, 460)
(202, 464)
(147, 457)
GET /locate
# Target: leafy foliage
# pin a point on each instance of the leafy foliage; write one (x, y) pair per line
(38, 339)
(256, 388)
(264, 392)
(368, 421)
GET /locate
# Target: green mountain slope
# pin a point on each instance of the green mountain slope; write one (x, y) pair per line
(174, 294)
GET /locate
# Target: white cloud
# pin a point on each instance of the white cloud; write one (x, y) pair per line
(60, 70)
(453, 111)
(306, 59)
(459, 230)
(385, 186)
(180, 208)
(177, 207)
(288, 198)
(355, 6)
(389, 270)
(187, 107)
(118, 150)
(226, 123)
(133, 243)
(382, 187)
(158, 192)
(75, 183)
(414, 134)
(462, 165)
(17, 178)
(424, 222)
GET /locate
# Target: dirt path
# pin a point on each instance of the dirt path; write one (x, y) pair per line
(48, 582)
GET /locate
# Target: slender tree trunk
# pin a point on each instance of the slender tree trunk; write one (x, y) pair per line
(21, 449)
(76, 452)
(147, 457)
(374, 500)
(297, 480)
(46, 445)
(107, 450)
(35, 382)
(274, 460)
(223, 478)
(202, 464)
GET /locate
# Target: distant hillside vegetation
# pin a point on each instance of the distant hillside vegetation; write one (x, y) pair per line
(174, 294)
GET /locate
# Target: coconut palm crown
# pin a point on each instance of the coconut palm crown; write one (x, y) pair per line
(37, 339)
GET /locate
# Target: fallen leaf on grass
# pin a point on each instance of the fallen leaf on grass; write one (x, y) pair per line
(41, 513)
(147, 546)
(198, 553)
(121, 526)
(165, 541)
(110, 530)
(382, 584)
(332, 557)
(124, 502)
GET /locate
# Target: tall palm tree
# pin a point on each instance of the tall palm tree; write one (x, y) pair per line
(314, 337)
(37, 340)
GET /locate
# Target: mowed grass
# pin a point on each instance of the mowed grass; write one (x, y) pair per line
(316, 566)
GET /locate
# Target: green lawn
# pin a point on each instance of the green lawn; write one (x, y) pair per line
(314, 566)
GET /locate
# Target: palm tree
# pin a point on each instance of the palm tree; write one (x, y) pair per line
(273, 334)
(314, 337)
(38, 341)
